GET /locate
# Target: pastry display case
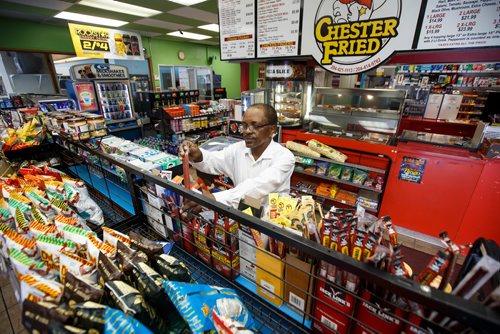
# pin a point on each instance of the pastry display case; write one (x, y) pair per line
(371, 115)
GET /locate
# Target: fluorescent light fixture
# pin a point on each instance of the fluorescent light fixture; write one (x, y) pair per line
(187, 2)
(211, 27)
(120, 7)
(188, 35)
(369, 97)
(94, 20)
(70, 59)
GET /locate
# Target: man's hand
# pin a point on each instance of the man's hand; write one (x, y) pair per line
(192, 149)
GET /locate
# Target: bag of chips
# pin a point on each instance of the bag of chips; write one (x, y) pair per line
(38, 289)
(84, 205)
(61, 221)
(149, 283)
(50, 248)
(224, 325)
(4, 231)
(23, 265)
(77, 266)
(37, 229)
(60, 207)
(126, 256)
(90, 316)
(118, 322)
(334, 171)
(79, 290)
(108, 271)
(17, 241)
(194, 302)
(111, 237)
(359, 176)
(151, 248)
(39, 217)
(95, 245)
(172, 269)
(130, 301)
(37, 197)
(22, 225)
(79, 236)
(43, 317)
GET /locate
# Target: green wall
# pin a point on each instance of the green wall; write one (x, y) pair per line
(34, 36)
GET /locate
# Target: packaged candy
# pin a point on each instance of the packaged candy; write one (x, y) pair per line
(359, 176)
(94, 246)
(194, 302)
(172, 269)
(79, 290)
(321, 168)
(130, 301)
(23, 264)
(334, 171)
(50, 247)
(79, 236)
(126, 256)
(36, 288)
(108, 271)
(111, 237)
(77, 266)
(151, 248)
(346, 174)
(37, 229)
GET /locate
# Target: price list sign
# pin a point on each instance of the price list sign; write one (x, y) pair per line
(237, 29)
(278, 23)
(460, 24)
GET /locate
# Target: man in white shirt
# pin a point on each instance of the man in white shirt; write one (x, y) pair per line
(257, 166)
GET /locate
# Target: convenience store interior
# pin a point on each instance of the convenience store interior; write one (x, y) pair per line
(434, 112)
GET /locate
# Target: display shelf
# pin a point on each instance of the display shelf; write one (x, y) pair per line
(329, 198)
(199, 129)
(365, 168)
(201, 115)
(337, 180)
(120, 120)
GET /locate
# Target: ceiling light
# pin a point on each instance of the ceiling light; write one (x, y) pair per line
(211, 27)
(187, 2)
(189, 35)
(120, 7)
(70, 59)
(95, 20)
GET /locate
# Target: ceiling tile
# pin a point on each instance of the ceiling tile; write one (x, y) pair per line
(149, 33)
(102, 13)
(27, 9)
(195, 13)
(178, 19)
(141, 27)
(14, 14)
(204, 32)
(161, 5)
(162, 24)
(209, 6)
(49, 4)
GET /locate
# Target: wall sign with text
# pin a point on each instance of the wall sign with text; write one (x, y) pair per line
(97, 42)
(412, 169)
(98, 71)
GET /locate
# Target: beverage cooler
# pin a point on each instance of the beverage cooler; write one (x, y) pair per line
(105, 89)
(289, 91)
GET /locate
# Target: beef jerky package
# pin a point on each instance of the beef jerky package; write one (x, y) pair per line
(151, 248)
(108, 271)
(130, 301)
(172, 269)
(44, 317)
(149, 283)
(126, 256)
(90, 316)
(79, 290)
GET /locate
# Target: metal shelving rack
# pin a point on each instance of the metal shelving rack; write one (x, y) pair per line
(269, 318)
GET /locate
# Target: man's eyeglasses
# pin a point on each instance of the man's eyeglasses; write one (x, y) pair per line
(253, 127)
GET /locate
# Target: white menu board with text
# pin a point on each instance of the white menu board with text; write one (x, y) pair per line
(278, 27)
(237, 29)
(460, 24)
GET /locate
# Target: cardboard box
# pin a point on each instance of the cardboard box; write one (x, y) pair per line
(298, 284)
(378, 314)
(270, 276)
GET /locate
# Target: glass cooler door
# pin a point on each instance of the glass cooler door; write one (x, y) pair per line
(288, 99)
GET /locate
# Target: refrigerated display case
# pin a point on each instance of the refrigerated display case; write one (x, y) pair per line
(288, 85)
(253, 96)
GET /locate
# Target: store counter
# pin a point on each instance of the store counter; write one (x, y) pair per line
(431, 188)
(437, 126)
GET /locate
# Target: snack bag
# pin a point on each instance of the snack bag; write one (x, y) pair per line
(38, 289)
(21, 222)
(39, 217)
(151, 248)
(195, 301)
(322, 168)
(225, 325)
(149, 283)
(36, 229)
(62, 221)
(79, 236)
(346, 174)
(17, 241)
(334, 171)
(111, 237)
(50, 248)
(359, 176)
(118, 322)
(125, 256)
(172, 269)
(108, 270)
(80, 199)
(79, 290)
(60, 207)
(77, 266)
(4, 231)
(95, 245)
(23, 265)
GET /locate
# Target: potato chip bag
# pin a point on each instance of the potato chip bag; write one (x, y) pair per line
(111, 237)
(38, 289)
(95, 245)
(23, 264)
(50, 247)
(36, 229)
(79, 236)
(76, 265)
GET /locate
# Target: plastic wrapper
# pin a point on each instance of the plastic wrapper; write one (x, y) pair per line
(60, 207)
(302, 149)
(90, 316)
(321, 168)
(17, 241)
(108, 271)
(310, 169)
(118, 322)
(22, 225)
(149, 283)
(151, 248)
(126, 256)
(79, 236)
(326, 150)
(23, 265)
(111, 237)
(77, 266)
(194, 302)
(39, 217)
(50, 248)
(84, 204)
(359, 176)
(4, 231)
(172, 269)
(79, 290)
(44, 317)
(37, 229)
(224, 325)
(334, 171)
(38, 289)
(61, 221)
(346, 174)
(95, 245)
(130, 301)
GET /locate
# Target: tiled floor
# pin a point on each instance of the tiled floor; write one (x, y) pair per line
(10, 309)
